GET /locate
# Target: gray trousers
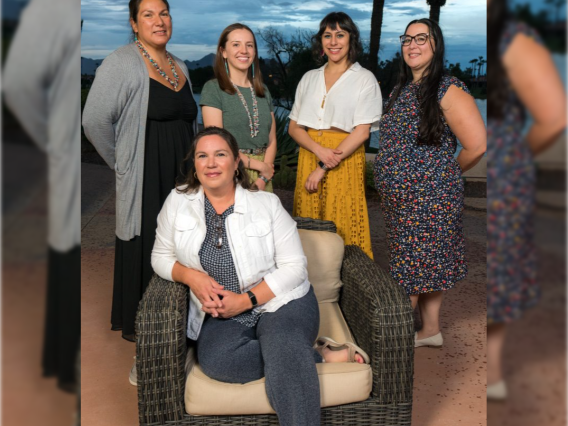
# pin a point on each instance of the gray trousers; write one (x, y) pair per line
(279, 348)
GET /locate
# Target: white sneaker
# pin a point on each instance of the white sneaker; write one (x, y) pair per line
(132, 378)
(435, 341)
(497, 391)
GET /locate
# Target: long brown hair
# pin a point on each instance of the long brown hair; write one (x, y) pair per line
(219, 66)
(191, 180)
(498, 85)
(431, 126)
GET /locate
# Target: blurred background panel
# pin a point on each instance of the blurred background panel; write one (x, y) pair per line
(534, 345)
(40, 215)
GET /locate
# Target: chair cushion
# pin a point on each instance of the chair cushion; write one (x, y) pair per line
(333, 324)
(340, 383)
(324, 251)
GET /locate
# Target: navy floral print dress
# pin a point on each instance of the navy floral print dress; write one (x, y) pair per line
(511, 259)
(421, 194)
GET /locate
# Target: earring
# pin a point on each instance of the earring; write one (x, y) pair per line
(237, 172)
(253, 70)
(195, 175)
(322, 53)
(226, 67)
(135, 37)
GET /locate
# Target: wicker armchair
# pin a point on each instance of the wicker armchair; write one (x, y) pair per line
(376, 309)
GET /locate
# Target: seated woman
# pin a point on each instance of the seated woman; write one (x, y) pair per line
(252, 310)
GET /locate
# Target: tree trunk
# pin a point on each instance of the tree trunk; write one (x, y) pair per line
(376, 25)
(435, 13)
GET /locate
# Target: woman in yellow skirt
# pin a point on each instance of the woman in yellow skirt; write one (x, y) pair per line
(335, 109)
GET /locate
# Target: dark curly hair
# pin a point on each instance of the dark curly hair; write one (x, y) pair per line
(431, 124)
(344, 22)
(191, 182)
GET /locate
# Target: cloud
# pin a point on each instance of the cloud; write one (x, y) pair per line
(198, 24)
(402, 10)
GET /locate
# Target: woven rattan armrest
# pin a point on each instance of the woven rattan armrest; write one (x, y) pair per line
(315, 224)
(161, 348)
(380, 316)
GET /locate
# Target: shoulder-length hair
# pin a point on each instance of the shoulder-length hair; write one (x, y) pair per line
(220, 69)
(190, 183)
(344, 22)
(431, 126)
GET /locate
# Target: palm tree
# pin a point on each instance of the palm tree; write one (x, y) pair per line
(479, 65)
(376, 25)
(435, 6)
(473, 63)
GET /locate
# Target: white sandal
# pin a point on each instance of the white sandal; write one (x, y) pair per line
(327, 342)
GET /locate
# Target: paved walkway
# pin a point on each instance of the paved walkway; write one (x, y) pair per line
(535, 348)
(28, 399)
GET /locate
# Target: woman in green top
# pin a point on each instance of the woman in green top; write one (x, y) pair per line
(238, 101)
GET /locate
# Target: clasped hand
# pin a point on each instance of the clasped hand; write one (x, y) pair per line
(330, 157)
(215, 300)
(233, 304)
(314, 179)
(260, 184)
(203, 287)
(267, 170)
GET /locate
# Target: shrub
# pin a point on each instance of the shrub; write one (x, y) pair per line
(285, 178)
(369, 177)
(285, 145)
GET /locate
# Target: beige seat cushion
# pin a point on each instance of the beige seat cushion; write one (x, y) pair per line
(340, 383)
(324, 251)
(332, 323)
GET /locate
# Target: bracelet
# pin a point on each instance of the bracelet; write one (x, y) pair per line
(248, 167)
(264, 179)
(323, 166)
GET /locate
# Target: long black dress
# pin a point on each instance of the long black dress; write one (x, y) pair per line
(169, 132)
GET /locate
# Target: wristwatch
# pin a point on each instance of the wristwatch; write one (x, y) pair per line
(323, 166)
(252, 298)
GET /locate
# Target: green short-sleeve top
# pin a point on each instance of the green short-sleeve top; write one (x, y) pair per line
(235, 118)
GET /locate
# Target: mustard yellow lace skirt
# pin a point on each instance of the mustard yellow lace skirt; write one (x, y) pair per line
(253, 174)
(341, 193)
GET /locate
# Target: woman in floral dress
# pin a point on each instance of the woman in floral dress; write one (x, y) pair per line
(524, 76)
(419, 178)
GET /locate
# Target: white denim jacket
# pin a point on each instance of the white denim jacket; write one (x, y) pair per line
(263, 238)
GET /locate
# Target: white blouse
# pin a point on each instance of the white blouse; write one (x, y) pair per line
(354, 99)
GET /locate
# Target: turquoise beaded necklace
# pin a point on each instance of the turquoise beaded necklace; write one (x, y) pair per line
(174, 82)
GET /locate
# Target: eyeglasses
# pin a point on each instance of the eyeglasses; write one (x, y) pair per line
(420, 39)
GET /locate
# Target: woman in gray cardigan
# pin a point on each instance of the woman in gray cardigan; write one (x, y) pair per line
(140, 115)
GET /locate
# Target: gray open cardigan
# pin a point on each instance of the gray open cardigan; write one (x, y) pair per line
(114, 120)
